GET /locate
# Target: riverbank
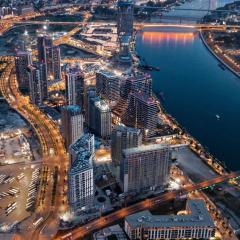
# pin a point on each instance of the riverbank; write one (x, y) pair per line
(219, 57)
(194, 145)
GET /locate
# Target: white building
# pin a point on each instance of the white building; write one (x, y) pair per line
(100, 118)
(196, 224)
(103, 119)
(80, 175)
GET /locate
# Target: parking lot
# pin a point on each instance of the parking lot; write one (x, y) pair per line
(18, 190)
(14, 148)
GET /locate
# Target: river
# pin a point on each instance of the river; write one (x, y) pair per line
(195, 88)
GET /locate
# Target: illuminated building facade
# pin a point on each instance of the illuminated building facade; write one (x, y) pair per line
(72, 123)
(196, 224)
(38, 83)
(50, 55)
(88, 105)
(125, 17)
(22, 61)
(80, 175)
(35, 85)
(124, 49)
(56, 63)
(145, 168)
(142, 113)
(141, 83)
(101, 119)
(122, 138)
(74, 82)
(108, 85)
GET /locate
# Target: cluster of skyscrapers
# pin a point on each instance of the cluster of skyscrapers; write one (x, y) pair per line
(34, 77)
(139, 167)
(95, 109)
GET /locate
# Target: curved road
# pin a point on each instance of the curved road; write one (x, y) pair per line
(54, 153)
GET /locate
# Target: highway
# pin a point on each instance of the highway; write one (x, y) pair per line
(101, 222)
(6, 24)
(53, 149)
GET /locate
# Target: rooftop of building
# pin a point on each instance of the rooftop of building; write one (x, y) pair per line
(83, 162)
(73, 108)
(145, 148)
(144, 98)
(125, 2)
(124, 128)
(81, 142)
(112, 232)
(140, 76)
(107, 73)
(198, 217)
(102, 106)
(74, 69)
(22, 53)
(84, 157)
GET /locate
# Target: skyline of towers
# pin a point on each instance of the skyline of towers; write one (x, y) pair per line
(50, 55)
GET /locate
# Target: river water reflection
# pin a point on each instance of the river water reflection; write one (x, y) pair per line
(195, 89)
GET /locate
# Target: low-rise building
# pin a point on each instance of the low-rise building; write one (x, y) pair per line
(196, 224)
(113, 232)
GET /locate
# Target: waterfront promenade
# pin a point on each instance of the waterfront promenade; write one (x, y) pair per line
(218, 53)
